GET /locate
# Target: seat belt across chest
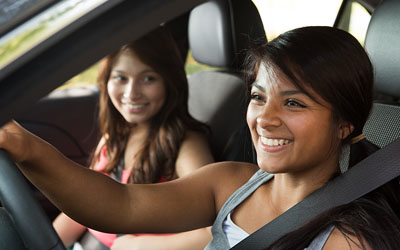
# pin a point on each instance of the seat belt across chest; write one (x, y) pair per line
(364, 177)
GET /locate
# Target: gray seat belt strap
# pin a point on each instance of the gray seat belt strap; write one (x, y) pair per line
(364, 177)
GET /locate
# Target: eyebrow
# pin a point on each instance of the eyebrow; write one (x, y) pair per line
(281, 93)
(291, 92)
(124, 72)
(258, 86)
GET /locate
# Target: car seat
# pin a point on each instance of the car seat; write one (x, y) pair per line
(219, 34)
(382, 45)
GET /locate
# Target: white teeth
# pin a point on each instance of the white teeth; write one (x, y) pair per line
(131, 106)
(274, 142)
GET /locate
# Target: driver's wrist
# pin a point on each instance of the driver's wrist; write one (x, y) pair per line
(38, 150)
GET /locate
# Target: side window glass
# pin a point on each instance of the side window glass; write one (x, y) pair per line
(40, 27)
(192, 66)
(279, 16)
(355, 20)
(85, 78)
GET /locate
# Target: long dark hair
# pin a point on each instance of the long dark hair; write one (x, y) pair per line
(372, 219)
(334, 65)
(168, 127)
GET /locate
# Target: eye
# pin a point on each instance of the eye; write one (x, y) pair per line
(119, 78)
(257, 97)
(294, 103)
(149, 78)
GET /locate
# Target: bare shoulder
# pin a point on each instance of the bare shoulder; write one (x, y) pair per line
(237, 171)
(194, 153)
(195, 135)
(338, 240)
(195, 139)
(228, 177)
(227, 172)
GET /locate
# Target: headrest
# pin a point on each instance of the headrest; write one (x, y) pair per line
(383, 46)
(220, 32)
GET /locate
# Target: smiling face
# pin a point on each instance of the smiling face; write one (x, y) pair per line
(135, 89)
(290, 131)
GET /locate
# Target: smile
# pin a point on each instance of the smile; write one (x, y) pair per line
(274, 142)
(133, 106)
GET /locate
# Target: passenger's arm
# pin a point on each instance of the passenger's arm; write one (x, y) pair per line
(193, 240)
(68, 229)
(97, 201)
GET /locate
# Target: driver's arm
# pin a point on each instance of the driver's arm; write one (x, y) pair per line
(97, 201)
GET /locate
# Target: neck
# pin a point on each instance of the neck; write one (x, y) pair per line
(139, 131)
(288, 189)
(136, 140)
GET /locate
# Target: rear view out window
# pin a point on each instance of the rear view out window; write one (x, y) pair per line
(40, 27)
(355, 20)
(279, 16)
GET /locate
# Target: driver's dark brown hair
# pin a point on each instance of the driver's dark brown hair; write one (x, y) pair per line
(168, 127)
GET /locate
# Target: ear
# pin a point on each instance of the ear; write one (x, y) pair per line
(345, 129)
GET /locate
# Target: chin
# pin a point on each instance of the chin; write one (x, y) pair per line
(273, 167)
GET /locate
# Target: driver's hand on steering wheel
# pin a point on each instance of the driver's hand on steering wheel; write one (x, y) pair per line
(18, 142)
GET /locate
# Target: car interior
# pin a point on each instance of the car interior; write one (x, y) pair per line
(217, 33)
(383, 49)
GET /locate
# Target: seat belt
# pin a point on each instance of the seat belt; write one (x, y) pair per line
(364, 177)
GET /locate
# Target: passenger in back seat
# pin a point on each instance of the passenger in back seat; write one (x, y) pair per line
(148, 135)
(311, 94)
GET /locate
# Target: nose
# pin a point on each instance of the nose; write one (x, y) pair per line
(269, 116)
(132, 89)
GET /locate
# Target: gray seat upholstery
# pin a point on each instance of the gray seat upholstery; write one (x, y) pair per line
(219, 37)
(383, 47)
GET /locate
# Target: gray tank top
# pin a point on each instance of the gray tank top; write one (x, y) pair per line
(220, 242)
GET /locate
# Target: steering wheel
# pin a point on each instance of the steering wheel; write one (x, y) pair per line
(29, 219)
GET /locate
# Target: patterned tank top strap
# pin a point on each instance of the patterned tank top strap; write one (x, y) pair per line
(116, 173)
(219, 241)
(319, 241)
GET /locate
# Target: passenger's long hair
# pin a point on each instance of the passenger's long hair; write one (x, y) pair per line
(335, 66)
(168, 127)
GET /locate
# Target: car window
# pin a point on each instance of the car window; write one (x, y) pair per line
(12, 12)
(355, 20)
(85, 78)
(279, 16)
(88, 77)
(40, 27)
(192, 66)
